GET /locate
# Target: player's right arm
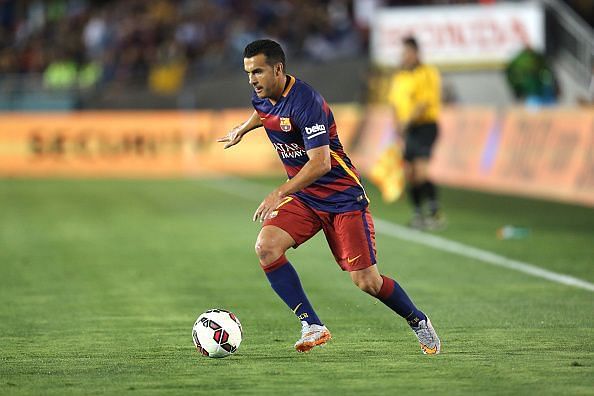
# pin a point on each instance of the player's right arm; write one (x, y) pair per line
(236, 134)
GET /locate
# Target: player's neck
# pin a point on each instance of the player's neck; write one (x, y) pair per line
(283, 84)
(412, 66)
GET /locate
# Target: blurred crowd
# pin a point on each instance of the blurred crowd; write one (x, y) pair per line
(84, 41)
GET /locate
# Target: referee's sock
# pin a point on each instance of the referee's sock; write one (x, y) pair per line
(415, 193)
(398, 301)
(285, 282)
(430, 191)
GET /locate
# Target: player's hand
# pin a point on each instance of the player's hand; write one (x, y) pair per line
(268, 206)
(232, 138)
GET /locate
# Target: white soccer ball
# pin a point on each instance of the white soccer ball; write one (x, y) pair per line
(217, 333)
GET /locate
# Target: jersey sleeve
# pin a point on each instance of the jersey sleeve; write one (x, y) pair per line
(312, 120)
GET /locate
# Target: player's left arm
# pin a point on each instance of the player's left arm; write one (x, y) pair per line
(318, 165)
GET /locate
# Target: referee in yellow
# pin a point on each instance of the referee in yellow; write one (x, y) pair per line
(415, 96)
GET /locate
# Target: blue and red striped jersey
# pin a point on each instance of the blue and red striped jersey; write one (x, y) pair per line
(302, 120)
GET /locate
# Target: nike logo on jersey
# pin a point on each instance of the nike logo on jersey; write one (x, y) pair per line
(350, 260)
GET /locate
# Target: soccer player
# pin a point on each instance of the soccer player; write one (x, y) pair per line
(416, 98)
(323, 192)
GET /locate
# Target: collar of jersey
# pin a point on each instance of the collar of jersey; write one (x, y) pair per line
(289, 86)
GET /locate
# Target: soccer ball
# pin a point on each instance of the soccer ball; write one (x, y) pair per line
(217, 333)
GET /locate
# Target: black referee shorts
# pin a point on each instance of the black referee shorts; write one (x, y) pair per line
(419, 141)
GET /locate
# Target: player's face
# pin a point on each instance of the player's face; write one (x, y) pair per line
(409, 57)
(263, 77)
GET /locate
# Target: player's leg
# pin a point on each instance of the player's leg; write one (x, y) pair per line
(427, 136)
(415, 189)
(271, 246)
(352, 240)
(428, 192)
(420, 166)
(292, 224)
(389, 292)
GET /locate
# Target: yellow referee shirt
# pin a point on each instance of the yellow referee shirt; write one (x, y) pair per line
(412, 87)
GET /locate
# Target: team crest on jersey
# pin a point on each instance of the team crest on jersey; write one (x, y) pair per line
(285, 124)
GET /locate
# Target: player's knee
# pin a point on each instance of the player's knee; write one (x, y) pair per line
(263, 249)
(420, 180)
(267, 251)
(417, 178)
(420, 173)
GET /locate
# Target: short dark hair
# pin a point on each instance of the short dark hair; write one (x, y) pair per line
(269, 48)
(411, 42)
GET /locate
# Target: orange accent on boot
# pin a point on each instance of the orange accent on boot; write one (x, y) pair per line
(309, 345)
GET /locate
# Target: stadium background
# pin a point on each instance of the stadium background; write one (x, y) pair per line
(122, 218)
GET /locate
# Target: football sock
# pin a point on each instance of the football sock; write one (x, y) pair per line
(430, 191)
(284, 280)
(396, 299)
(416, 198)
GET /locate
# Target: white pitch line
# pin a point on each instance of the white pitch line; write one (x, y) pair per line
(440, 243)
(256, 191)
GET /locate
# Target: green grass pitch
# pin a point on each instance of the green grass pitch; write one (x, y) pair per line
(101, 281)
